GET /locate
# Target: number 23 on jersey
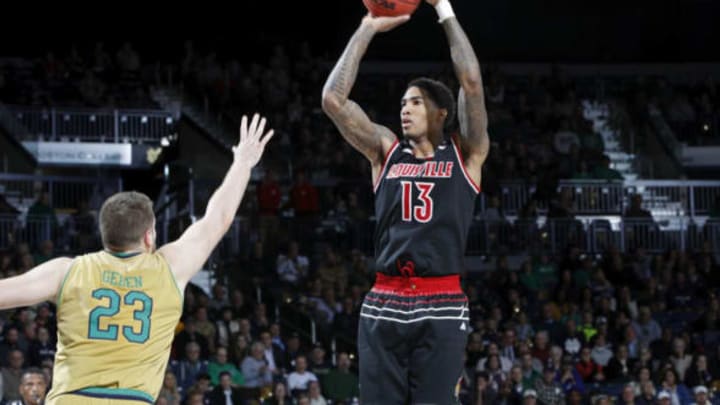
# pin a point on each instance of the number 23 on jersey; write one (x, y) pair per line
(110, 306)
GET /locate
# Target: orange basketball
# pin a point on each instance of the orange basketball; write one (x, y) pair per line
(391, 8)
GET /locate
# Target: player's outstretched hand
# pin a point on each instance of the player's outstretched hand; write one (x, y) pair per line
(252, 141)
(384, 24)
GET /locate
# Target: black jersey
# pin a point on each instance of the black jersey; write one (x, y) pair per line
(424, 209)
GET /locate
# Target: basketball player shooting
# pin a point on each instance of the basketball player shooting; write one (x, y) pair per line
(414, 321)
(118, 308)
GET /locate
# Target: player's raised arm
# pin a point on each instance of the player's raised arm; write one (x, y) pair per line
(370, 139)
(39, 284)
(472, 115)
(187, 254)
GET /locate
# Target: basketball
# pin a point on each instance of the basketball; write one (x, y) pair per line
(391, 8)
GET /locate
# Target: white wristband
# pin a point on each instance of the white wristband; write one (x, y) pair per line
(444, 10)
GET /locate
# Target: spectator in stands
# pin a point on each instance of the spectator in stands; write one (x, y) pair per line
(647, 394)
(484, 393)
(541, 349)
(259, 320)
(187, 335)
(222, 365)
(218, 301)
(33, 387)
(569, 377)
(318, 364)
(701, 395)
(604, 172)
(195, 398)
(293, 350)
(662, 348)
(679, 394)
(269, 197)
(646, 329)
(549, 391)
(314, 394)
(529, 397)
(10, 343)
(531, 370)
(504, 364)
(188, 370)
(298, 380)
(255, 369)
(304, 197)
(42, 348)
(507, 345)
(226, 327)
(205, 327)
(279, 396)
(635, 210)
(12, 374)
(292, 267)
(246, 329)
(496, 375)
(601, 352)
(224, 393)
(332, 270)
(573, 339)
(620, 367)
(170, 390)
(240, 307)
(627, 396)
(42, 212)
(515, 379)
(273, 353)
(680, 294)
(699, 373)
(240, 349)
(680, 359)
(587, 368)
(341, 384)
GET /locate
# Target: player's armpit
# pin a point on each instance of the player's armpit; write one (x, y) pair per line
(40, 284)
(187, 255)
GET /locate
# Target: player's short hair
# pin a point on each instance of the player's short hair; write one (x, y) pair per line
(440, 94)
(124, 219)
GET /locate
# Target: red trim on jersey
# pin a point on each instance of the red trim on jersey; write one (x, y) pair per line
(464, 169)
(384, 165)
(414, 286)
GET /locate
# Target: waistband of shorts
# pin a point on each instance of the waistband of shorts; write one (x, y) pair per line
(417, 285)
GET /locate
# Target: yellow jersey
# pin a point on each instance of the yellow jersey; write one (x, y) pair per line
(116, 321)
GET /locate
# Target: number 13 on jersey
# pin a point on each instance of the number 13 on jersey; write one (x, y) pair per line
(420, 208)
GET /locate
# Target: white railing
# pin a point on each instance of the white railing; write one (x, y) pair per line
(599, 197)
(63, 192)
(89, 125)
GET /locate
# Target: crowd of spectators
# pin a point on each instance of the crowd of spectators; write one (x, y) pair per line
(567, 328)
(81, 76)
(561, 327)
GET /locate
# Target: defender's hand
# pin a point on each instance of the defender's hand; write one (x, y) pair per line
(252, 141)
(384, 24)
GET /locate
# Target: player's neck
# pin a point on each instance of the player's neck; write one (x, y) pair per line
(423, 148)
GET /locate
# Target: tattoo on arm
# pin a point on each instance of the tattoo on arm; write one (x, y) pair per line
(345, 72)
(353, 123)
(472, 114)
